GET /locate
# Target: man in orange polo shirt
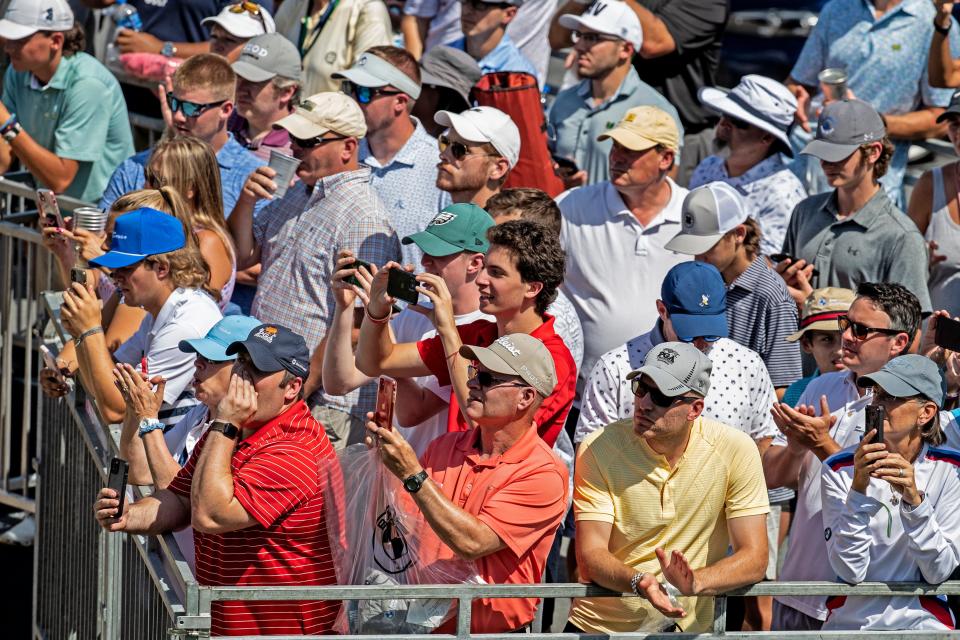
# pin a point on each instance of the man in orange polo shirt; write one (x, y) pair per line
(522, 272)
(494, 494)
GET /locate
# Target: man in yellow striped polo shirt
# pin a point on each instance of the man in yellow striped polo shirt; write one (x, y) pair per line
(662, 498)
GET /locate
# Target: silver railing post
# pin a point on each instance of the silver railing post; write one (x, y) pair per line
(720, 615)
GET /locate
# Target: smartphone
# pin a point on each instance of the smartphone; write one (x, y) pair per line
(565, 166)
(780, 257)
(78, 274)
(118, 481)
(48, 209)
(356, 264)
(947, 334)
(874, 420)
(386, 398)
(48, 360)
(403, 285)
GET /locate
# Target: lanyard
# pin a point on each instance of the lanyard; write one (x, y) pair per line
(313, 34)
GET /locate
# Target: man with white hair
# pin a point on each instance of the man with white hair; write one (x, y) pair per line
(755, 121)
(605, 39)
(477, 151)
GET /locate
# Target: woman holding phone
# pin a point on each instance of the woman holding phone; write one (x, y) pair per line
(890, 507)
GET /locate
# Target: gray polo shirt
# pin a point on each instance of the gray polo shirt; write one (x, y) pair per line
(576, 122)
(878, 243)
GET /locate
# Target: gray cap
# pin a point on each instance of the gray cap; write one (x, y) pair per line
(444, 66)
(676, 368)
(844, 125)
(267, 56)
(909, 375)
(708, 213)
(518, 354)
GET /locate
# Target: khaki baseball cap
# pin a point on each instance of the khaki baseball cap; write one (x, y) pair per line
(645, 127)
(323, 112)
(822, 309)
(518, 354)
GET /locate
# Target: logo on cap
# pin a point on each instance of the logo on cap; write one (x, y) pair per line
(630, 117)
(668, 356)
(507, 344)
(362, 61)
(306, 105)
(595, 9)
(48, 14)
(442, 218)
(296, 363)
(704, 300)
(688, 219)
(255, 50)
(267, 334)
(827, 126)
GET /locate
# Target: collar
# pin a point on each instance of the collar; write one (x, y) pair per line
(60, 77)
(750, 279)
(545, 330)
(330, 184)
(230, 152)
(907, 6)
(407, 155)
(617, 207)
(518, 452)
(656, 334)
(177, 298)
(867, 214)
(274, 427)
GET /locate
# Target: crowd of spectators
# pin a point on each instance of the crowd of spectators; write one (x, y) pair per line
(674, 359)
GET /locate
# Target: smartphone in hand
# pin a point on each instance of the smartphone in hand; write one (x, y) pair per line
(947, 334)
(386, 399)
(402, 285)
(117, 481)
(874, 420)
(48, 209)
(356, 264)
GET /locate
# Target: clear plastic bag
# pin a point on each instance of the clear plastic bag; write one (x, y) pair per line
(385, 542)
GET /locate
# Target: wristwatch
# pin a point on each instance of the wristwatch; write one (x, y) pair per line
(414, 482)
(12, 131)
(168, 49)
(226, 428)
(147, 425)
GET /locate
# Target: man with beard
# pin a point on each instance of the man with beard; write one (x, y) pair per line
(605, 41)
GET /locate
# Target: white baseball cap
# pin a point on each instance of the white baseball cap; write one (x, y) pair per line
(25, 17)
(611, 17)
(485, 124)
(238, 21)
(708, 213)
(757, 100)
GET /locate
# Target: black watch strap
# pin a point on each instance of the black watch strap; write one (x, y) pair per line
(226, 428)
(415, 482)
(942, 30)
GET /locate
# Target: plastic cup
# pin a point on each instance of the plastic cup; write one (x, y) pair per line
(834, 83)
(286, 167)
(90, 219)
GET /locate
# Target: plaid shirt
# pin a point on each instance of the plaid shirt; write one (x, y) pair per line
(300, 236)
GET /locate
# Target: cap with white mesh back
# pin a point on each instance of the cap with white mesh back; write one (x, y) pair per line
(708, 213)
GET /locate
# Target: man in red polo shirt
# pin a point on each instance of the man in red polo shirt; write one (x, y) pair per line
(494, 494)
(521, 274)
(256, 490)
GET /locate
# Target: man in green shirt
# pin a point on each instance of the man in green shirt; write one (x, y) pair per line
(62, 112)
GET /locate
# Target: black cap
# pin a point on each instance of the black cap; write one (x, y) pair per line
(274, 348)
(952, 109)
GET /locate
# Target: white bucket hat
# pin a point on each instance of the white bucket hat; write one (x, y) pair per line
(757, 100)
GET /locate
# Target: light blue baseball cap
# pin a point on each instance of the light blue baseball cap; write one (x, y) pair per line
(214, 345)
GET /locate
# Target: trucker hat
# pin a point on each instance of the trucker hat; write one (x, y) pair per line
(708, 213)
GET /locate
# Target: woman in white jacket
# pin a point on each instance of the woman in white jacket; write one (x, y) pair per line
(891, 510)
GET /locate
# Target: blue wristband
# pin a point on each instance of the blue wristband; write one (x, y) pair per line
(9, 123)
(149, 424)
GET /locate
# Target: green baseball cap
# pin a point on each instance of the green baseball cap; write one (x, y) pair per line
(458, 227)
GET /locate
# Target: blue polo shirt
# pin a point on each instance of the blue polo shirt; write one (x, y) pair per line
(80, 115)
(235, 162)
(504, 57)
(576, 122)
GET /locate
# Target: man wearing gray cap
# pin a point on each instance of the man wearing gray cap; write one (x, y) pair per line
(297, 238)
(662, 496)
(268, 87)
(385, 82)
(447, 76)
(496, 493)
(854, 233)
(755, 120)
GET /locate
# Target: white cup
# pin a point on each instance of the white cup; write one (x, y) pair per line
(286, 167)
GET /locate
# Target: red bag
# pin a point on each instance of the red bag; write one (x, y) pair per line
(516, 94)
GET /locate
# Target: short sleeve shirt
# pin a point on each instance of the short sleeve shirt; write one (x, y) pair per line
(286, 476)
(552, 414)
(520, 494)
(79, 115)
(878, 243)
(621, 481)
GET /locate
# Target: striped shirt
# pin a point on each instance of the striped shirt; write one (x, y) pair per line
(761, 315)
(281, 476)
(299, 237)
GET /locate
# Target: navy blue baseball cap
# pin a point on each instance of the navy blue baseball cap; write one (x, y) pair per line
(213, 346)
(274, 348)
(696, 299)
(141, 233)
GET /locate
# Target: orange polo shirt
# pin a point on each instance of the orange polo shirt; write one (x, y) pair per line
(521, 495)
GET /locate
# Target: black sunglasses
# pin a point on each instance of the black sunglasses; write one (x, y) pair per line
(658, 398)
(480, 5)
(487, 380)
(310, 143)
(458, 150)
(189, 109)
(861, 331)
(365, 95)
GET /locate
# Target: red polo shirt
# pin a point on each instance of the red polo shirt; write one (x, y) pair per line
(552, 414)
(521, 495)
(280, 475)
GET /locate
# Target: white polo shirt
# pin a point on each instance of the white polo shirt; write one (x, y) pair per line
(187, 314)
(615, 265)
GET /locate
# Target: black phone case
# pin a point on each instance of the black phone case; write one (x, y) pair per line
(356, 264)
(403, 286)
(947, 334)
(874, 420)
(78, 275)
(118, 481)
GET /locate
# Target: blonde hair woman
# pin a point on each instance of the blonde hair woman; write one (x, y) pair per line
(188, 165)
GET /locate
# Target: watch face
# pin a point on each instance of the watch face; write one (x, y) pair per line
(411, 484)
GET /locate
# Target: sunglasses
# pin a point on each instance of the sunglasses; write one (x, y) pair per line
(480, 5)
(189, 109)
(737, 122)
(249, 7)
(205, 360)
(458, 150)
(487, 380)
(881, 397)
(591, 38)
(658, 398)
(861, 331)
(310, 143)
(365, 95)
